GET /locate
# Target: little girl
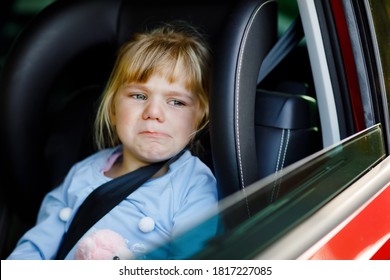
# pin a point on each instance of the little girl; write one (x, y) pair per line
(155, 101)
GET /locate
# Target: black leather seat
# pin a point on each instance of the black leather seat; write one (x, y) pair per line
(257, 131)
(58, 68)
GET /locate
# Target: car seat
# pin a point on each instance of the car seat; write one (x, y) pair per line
(57, 70)
(258, 127)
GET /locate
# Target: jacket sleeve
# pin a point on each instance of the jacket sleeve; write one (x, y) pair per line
(42, 241)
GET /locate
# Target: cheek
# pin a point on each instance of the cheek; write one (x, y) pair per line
(124, 118)
(124, 110)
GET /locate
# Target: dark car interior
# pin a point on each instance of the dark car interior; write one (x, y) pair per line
(57, 67)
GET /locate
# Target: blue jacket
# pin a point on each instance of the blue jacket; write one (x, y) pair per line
(185, 195)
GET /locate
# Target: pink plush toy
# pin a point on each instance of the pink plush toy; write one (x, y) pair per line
(103, 244)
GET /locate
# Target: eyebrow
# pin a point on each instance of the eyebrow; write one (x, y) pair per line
(136, 86)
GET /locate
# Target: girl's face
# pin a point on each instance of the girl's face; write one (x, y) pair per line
(154, 120)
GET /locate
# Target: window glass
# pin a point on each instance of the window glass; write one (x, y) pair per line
(288, 11)
(380, 11)
(251, 221)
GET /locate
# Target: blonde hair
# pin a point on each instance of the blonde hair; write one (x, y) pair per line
(169, 50)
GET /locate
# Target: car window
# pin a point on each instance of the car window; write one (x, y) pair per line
(380, 13)
(251, 221)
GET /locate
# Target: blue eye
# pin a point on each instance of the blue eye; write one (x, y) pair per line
(139, 96)
(176, 102)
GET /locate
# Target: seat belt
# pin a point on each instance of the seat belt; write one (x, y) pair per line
(286, 43)
(103, 199)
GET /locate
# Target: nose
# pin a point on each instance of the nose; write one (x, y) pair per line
(153, 111)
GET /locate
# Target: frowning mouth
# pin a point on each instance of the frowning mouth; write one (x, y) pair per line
(154, 134)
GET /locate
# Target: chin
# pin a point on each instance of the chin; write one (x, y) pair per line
(156, 157)
(156, 153)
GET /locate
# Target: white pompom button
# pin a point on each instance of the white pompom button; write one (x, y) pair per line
(65, 214)
(146, 224)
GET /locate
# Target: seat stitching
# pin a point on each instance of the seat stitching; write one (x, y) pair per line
(273, 195)
(283, 161)
(279, 168)
(239, 67)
